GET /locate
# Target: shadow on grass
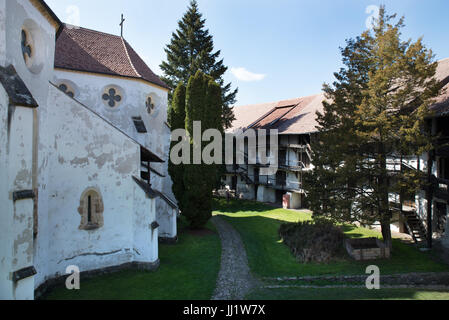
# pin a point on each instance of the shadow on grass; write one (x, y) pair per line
(235, 205)
(258, 225)
(188, 271)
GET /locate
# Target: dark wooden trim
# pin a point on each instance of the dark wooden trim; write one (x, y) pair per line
(23, 273)
(154, 225)
(23, 194)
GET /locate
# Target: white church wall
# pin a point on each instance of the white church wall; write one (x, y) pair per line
(145, 238)
(2, 32)
(21, 14)
(166, 217)
(16, 227)
(84, 151)
(6, 214)
(89, 91)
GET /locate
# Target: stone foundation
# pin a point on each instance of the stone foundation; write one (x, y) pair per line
(59, 281)
(165, 240)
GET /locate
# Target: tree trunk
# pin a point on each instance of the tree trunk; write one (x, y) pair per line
(384, 209)
(386, 233)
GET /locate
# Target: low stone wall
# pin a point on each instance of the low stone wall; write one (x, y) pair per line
(367, 249)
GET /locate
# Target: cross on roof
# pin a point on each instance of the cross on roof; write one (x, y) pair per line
(121, 26)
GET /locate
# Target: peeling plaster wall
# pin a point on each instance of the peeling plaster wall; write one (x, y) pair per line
(166, 217)
(20, 13)
(16, 227)
(89, 89)
(81, 150)
(17, 141)
(6, 212)
(2, 32)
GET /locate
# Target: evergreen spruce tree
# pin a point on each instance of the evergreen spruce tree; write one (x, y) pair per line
(374, 115)
(192, 49)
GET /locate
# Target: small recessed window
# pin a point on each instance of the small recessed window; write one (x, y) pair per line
(67, 89)
(91, 210)
(112, 97)
(149, 103)
(27, 46)
(139, 124)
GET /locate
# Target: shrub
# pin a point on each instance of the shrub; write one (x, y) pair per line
(309, 241)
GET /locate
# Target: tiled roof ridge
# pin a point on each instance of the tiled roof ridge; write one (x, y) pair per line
(95, 51)
(70, 26)
(129, 58)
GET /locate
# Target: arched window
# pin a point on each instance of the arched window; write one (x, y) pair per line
(91, 210)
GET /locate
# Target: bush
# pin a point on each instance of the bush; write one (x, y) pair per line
(309, 241)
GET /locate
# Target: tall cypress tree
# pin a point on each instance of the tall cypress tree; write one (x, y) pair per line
(193, 183)
(177, 121)
(192, 49)
(374, 116)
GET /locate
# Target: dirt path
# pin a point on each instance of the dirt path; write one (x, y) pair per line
(235, 279)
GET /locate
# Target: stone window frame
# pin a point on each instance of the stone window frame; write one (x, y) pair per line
(112, 97)
(151, 104)
(68, 88)
(32, 46)
(27, 46)
(91, 218)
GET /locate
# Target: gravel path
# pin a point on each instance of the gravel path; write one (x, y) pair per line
(234, 280)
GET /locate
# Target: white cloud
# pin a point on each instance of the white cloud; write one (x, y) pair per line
(245, 75)
(73, 16)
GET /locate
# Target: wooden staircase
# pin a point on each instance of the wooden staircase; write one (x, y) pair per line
(415, 226)
(244, 175)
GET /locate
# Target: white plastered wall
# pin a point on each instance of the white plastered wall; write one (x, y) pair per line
(84, 151)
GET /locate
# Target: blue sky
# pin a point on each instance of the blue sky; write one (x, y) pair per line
(275, 49)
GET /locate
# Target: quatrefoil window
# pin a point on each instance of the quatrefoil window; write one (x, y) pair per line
(150, 105)
(112, 97)
(27, 50)
(65, 88)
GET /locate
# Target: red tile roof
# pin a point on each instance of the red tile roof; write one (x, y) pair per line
(298, 116)
(87, 50)
(294, 116)
(441, 106)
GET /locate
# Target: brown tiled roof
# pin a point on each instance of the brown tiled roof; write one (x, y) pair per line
(298, 116)
(294, 116)
(441, 106)
(87, 50)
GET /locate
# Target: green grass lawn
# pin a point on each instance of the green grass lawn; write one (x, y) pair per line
(188, 270)
(346, 294)
(258, 226)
